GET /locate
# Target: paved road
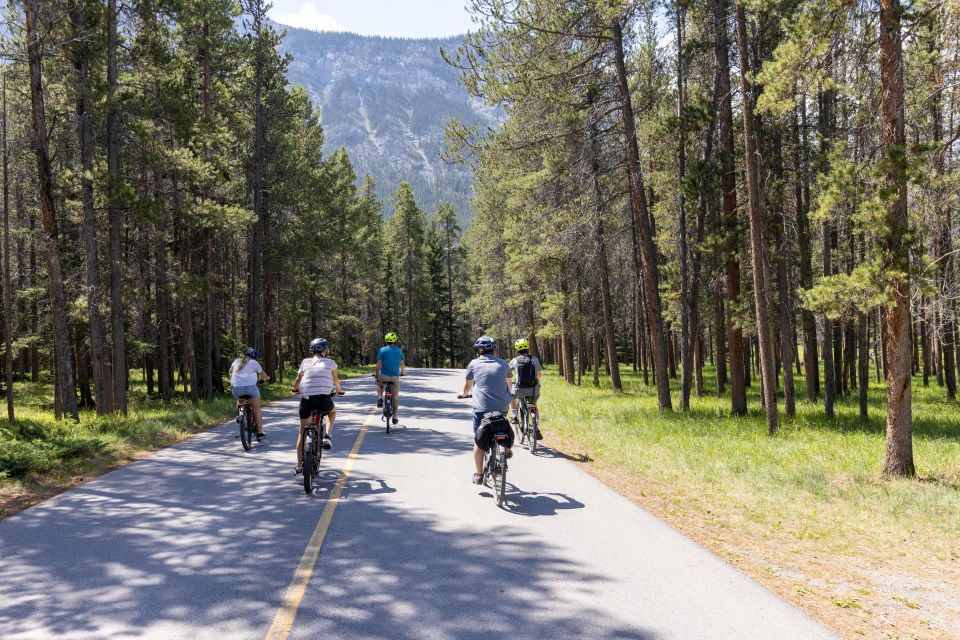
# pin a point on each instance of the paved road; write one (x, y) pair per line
(202, 540)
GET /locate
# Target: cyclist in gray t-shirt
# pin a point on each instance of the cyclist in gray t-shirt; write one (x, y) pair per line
(490, 380)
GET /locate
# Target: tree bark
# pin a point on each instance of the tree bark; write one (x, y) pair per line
(58, 309)
(642, 221)
(7, 285)
(738, 388)
(686, 364)
(758, 243)
(119, 359)
(899, 441)
(602, 266)
(89, 228)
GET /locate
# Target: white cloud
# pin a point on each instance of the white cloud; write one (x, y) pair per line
(309, 18)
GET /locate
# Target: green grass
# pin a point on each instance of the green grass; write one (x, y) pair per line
(36, 449)
(818, 480)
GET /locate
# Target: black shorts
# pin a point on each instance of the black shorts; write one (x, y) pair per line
(320, 403)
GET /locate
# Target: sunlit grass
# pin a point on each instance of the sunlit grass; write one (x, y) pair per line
(816, 480)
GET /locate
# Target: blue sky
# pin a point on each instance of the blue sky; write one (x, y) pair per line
(402, 18)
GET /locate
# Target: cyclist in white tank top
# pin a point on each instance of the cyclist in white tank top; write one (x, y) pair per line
(317, 381)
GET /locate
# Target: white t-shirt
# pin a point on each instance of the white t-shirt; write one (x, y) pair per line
(246, 376)
(317, 376)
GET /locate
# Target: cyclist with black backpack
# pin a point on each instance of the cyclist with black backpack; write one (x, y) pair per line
(526, 369)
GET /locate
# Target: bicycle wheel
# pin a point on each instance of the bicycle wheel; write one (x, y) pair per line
(500, 479)
(309, 463)
(387, 411)
(489, 464)
(532, 439)
(522, 422)
(245, 431)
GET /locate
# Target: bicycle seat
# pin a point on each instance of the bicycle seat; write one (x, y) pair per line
(244, 397)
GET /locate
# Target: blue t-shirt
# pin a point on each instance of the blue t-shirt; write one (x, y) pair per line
(391, 356)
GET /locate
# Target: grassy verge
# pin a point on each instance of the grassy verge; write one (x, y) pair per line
(40, 457)
(806, 512)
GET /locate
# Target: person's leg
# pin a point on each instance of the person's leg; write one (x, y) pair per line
(478, 459)
(303, 423)
(379, 393)
(331, 417)
(257, 416)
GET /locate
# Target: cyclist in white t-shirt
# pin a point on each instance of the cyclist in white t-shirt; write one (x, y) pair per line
(317, 381)
(244, 374)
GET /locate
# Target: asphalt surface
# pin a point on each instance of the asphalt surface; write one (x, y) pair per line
(202, 540)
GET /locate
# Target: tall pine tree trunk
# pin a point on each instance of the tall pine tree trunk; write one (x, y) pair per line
(758, 242)
(686, 364)
(738, 375)
(7, 285)
(641, 218)
(602, 266)
(896, 247)
(113, 207)
(88, 231)
(58, 309)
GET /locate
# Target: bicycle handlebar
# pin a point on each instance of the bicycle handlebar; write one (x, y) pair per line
(342, 393)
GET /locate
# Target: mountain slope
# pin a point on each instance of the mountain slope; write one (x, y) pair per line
(387, 101)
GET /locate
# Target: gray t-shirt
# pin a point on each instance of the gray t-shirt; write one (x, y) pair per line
(490, 390)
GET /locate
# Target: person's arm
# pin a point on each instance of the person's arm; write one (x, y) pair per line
(379, 366)
(261, 373)
(467, 387)
(296, 383)
(336, 381)
(403, 365)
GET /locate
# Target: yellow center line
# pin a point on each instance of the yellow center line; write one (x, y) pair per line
(283, 620)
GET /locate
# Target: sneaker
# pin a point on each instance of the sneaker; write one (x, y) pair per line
(509, 453)
(539, 435)
(379, 403)
(327, 443)
(396, 419)
(261, 436)
(514, 419)
(298, 470)
(478, 478)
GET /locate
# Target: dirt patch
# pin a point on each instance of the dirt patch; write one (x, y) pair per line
(879, 593)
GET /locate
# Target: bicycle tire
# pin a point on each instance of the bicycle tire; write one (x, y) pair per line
(246, 439)
(501, 478)
(309, 463)
(532, 441)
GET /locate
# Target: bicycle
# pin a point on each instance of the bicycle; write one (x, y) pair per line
(311, 448)
(495, 463)
(495, 467)
(527, 428)
(248, 426)
(389, 404)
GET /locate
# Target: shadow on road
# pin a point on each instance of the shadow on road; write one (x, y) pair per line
(387, 572)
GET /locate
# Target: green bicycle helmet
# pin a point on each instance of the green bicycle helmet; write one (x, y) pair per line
(390, 338)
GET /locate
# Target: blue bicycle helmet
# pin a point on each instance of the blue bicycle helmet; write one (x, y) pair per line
(319, 345)
(251, 353)
(485, 344)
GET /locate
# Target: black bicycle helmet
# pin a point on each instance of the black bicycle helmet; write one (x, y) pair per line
(319, 345)
(485, 344)
(251, 353)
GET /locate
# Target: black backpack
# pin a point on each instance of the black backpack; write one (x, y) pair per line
(526, 373)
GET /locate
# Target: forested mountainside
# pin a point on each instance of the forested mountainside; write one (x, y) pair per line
(387, 101)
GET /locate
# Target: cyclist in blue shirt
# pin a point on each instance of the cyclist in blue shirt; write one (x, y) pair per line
(390, 366)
